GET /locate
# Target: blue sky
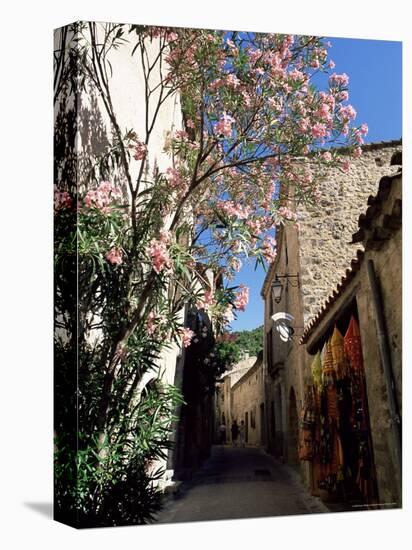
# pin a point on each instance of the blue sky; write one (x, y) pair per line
(375, 87)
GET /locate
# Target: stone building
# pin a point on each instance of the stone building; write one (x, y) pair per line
(310, 259)
(224, 397)
(248, 403)
(371, 292)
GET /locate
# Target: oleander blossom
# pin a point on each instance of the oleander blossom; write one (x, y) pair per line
(102, 197)
(115, 256)
(62, 200)
(319, 130)
(269, 250)
(287, 213)
(187, 336)
(237, 210)
(157, 250)
(347, 112)
(242, 298)
(207, 301)
(339, 79)
(175, 179)
(140, 150)
(364, 129)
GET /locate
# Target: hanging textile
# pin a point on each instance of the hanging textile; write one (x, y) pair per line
(330, 444)
(338, 354)
(307, 426)
(352, 345)
(365, 468)
(316, 368)
(327, 366)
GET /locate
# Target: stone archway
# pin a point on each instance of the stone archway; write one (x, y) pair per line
(293, 429)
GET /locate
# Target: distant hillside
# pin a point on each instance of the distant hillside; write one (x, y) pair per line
(249, 340)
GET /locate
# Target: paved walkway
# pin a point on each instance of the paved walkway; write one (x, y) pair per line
(240, 483)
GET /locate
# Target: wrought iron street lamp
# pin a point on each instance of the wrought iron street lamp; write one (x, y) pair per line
(277, 290)
(277, 287)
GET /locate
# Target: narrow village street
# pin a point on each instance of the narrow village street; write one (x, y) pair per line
(240, 483)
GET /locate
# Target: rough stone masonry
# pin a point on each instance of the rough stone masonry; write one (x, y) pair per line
(325, 231)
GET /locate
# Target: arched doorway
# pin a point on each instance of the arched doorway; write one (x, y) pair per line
(293, 429)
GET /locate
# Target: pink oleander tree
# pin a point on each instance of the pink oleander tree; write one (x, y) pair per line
(251, 114)
(257, 136)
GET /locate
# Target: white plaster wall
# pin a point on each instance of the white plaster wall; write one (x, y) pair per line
(128, 98)
(95, 132)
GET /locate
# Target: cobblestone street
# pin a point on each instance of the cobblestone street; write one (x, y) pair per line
(240, 483)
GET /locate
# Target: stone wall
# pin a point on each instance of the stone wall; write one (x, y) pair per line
(387, 260)
(319, 251)
(224, 394)
(388, 269)
(247, 398)
(325, 231)
(284, 372)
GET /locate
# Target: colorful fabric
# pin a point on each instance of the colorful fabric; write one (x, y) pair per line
(338, 354)
(352, 345)
(316, 368)
(327, 366)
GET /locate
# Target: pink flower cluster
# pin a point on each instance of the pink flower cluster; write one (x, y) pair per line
(232, 209)
(181, 134)
(115, 256)
(297, 76)
(242, 298)
(269, 249)
(359, 133)
(224, 126)
(207, 301)
(255, 225)
(364, 129)
(187, 336)
(339, 79)
(319, 130)
(140, 150)
(62, 200)
(254, 55)
(102, 197)
(324, 113)
(175, 179)
(347, 113)
(287, 213)
(230, 80)
(157, 250)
